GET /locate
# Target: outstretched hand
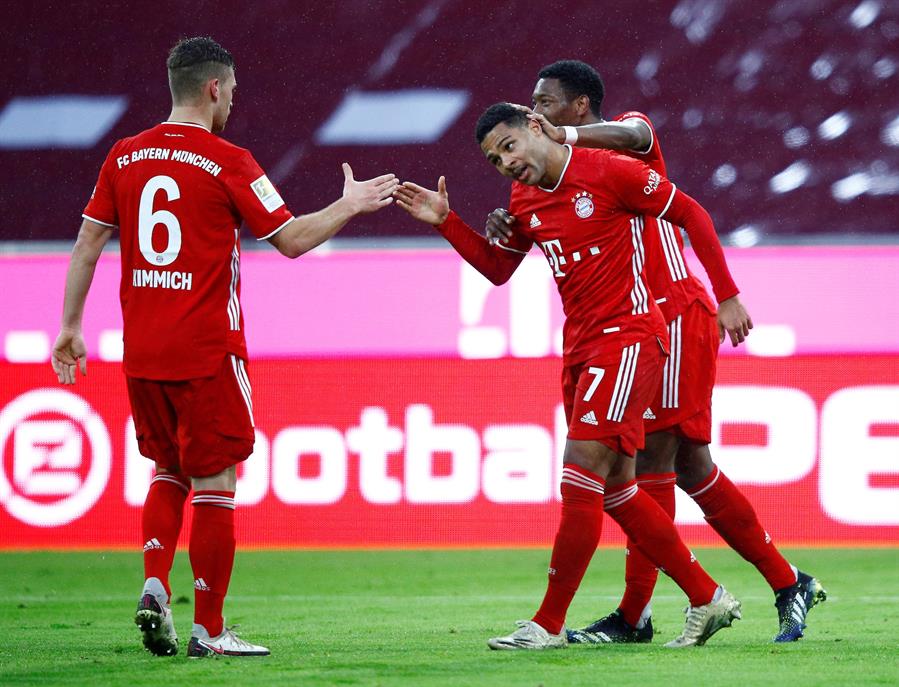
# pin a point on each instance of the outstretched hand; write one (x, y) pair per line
(69, 352)
(425, 205)
(734, 320)
(368, 196)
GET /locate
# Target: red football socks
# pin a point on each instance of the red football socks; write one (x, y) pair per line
(646, 524)
(733, 517)
(161, 521)
(640, 573)
(211, 555)
(576, 540)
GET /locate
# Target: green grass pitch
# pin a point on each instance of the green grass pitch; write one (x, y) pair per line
(422, 617)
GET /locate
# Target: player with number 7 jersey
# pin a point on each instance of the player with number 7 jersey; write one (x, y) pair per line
(584, 208)
(178, 194)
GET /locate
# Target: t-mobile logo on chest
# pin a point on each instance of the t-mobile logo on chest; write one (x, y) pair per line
(553, 251)
(555, 255)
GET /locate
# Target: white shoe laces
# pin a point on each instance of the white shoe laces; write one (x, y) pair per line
(230, 632)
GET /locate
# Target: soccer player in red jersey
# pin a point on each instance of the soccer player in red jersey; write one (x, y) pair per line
(178, 193)
(567, 100)
(584, 208)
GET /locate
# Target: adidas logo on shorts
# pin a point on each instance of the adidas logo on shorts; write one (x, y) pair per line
(589, 418)
(648, 414)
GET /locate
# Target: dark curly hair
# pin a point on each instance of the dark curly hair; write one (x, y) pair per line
(192, 62)
(576, 79)
(500, 113)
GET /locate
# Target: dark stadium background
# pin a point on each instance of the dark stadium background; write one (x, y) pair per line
(739, 92)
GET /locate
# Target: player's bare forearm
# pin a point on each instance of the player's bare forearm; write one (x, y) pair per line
(627, 135)
(69, 350)
(92, 238)
(631, 134)
(308, 231)
(359, 197)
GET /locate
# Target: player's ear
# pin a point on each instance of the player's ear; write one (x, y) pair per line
(582, 105)
(534, 126)
(214, 88)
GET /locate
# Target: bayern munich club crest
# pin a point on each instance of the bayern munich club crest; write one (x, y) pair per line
(583, 204)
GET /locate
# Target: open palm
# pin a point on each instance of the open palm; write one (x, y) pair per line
(425, 205)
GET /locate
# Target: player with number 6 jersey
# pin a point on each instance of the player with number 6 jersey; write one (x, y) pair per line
(178, 195)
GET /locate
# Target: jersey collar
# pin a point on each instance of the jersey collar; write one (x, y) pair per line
(562, 175)
(198, 126)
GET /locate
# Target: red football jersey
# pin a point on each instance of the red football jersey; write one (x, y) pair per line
(672, 284)
(178, 194)
(590, 227)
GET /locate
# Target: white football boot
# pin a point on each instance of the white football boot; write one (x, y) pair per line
(529, 635)
(154, 618)
(704, 621)
(225, 644)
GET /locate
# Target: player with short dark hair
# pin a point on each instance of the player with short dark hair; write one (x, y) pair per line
(584, 210)
(178, 194)
(191, 63)
(678, 421)
(576, 79)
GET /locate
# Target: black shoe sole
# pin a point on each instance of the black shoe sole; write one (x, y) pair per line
(151, 625)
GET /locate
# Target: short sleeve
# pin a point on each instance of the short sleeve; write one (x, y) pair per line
(256, 198)
(639, 116)
(639, 188)
(101, 206)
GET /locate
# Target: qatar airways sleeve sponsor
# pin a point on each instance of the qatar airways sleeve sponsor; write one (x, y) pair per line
(641, 189)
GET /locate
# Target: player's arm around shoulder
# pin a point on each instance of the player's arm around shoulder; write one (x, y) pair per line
(69, 350)
(631, 134)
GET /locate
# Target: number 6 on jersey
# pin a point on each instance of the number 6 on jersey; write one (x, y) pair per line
(147, 221)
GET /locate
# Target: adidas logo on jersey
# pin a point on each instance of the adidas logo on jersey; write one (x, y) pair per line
(534, 221)
(589, 418)
(153, 544)
(648, 414)
(201, 586)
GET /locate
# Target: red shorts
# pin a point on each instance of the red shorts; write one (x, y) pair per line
(605, 398)
(683, 404)
(196, 427)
